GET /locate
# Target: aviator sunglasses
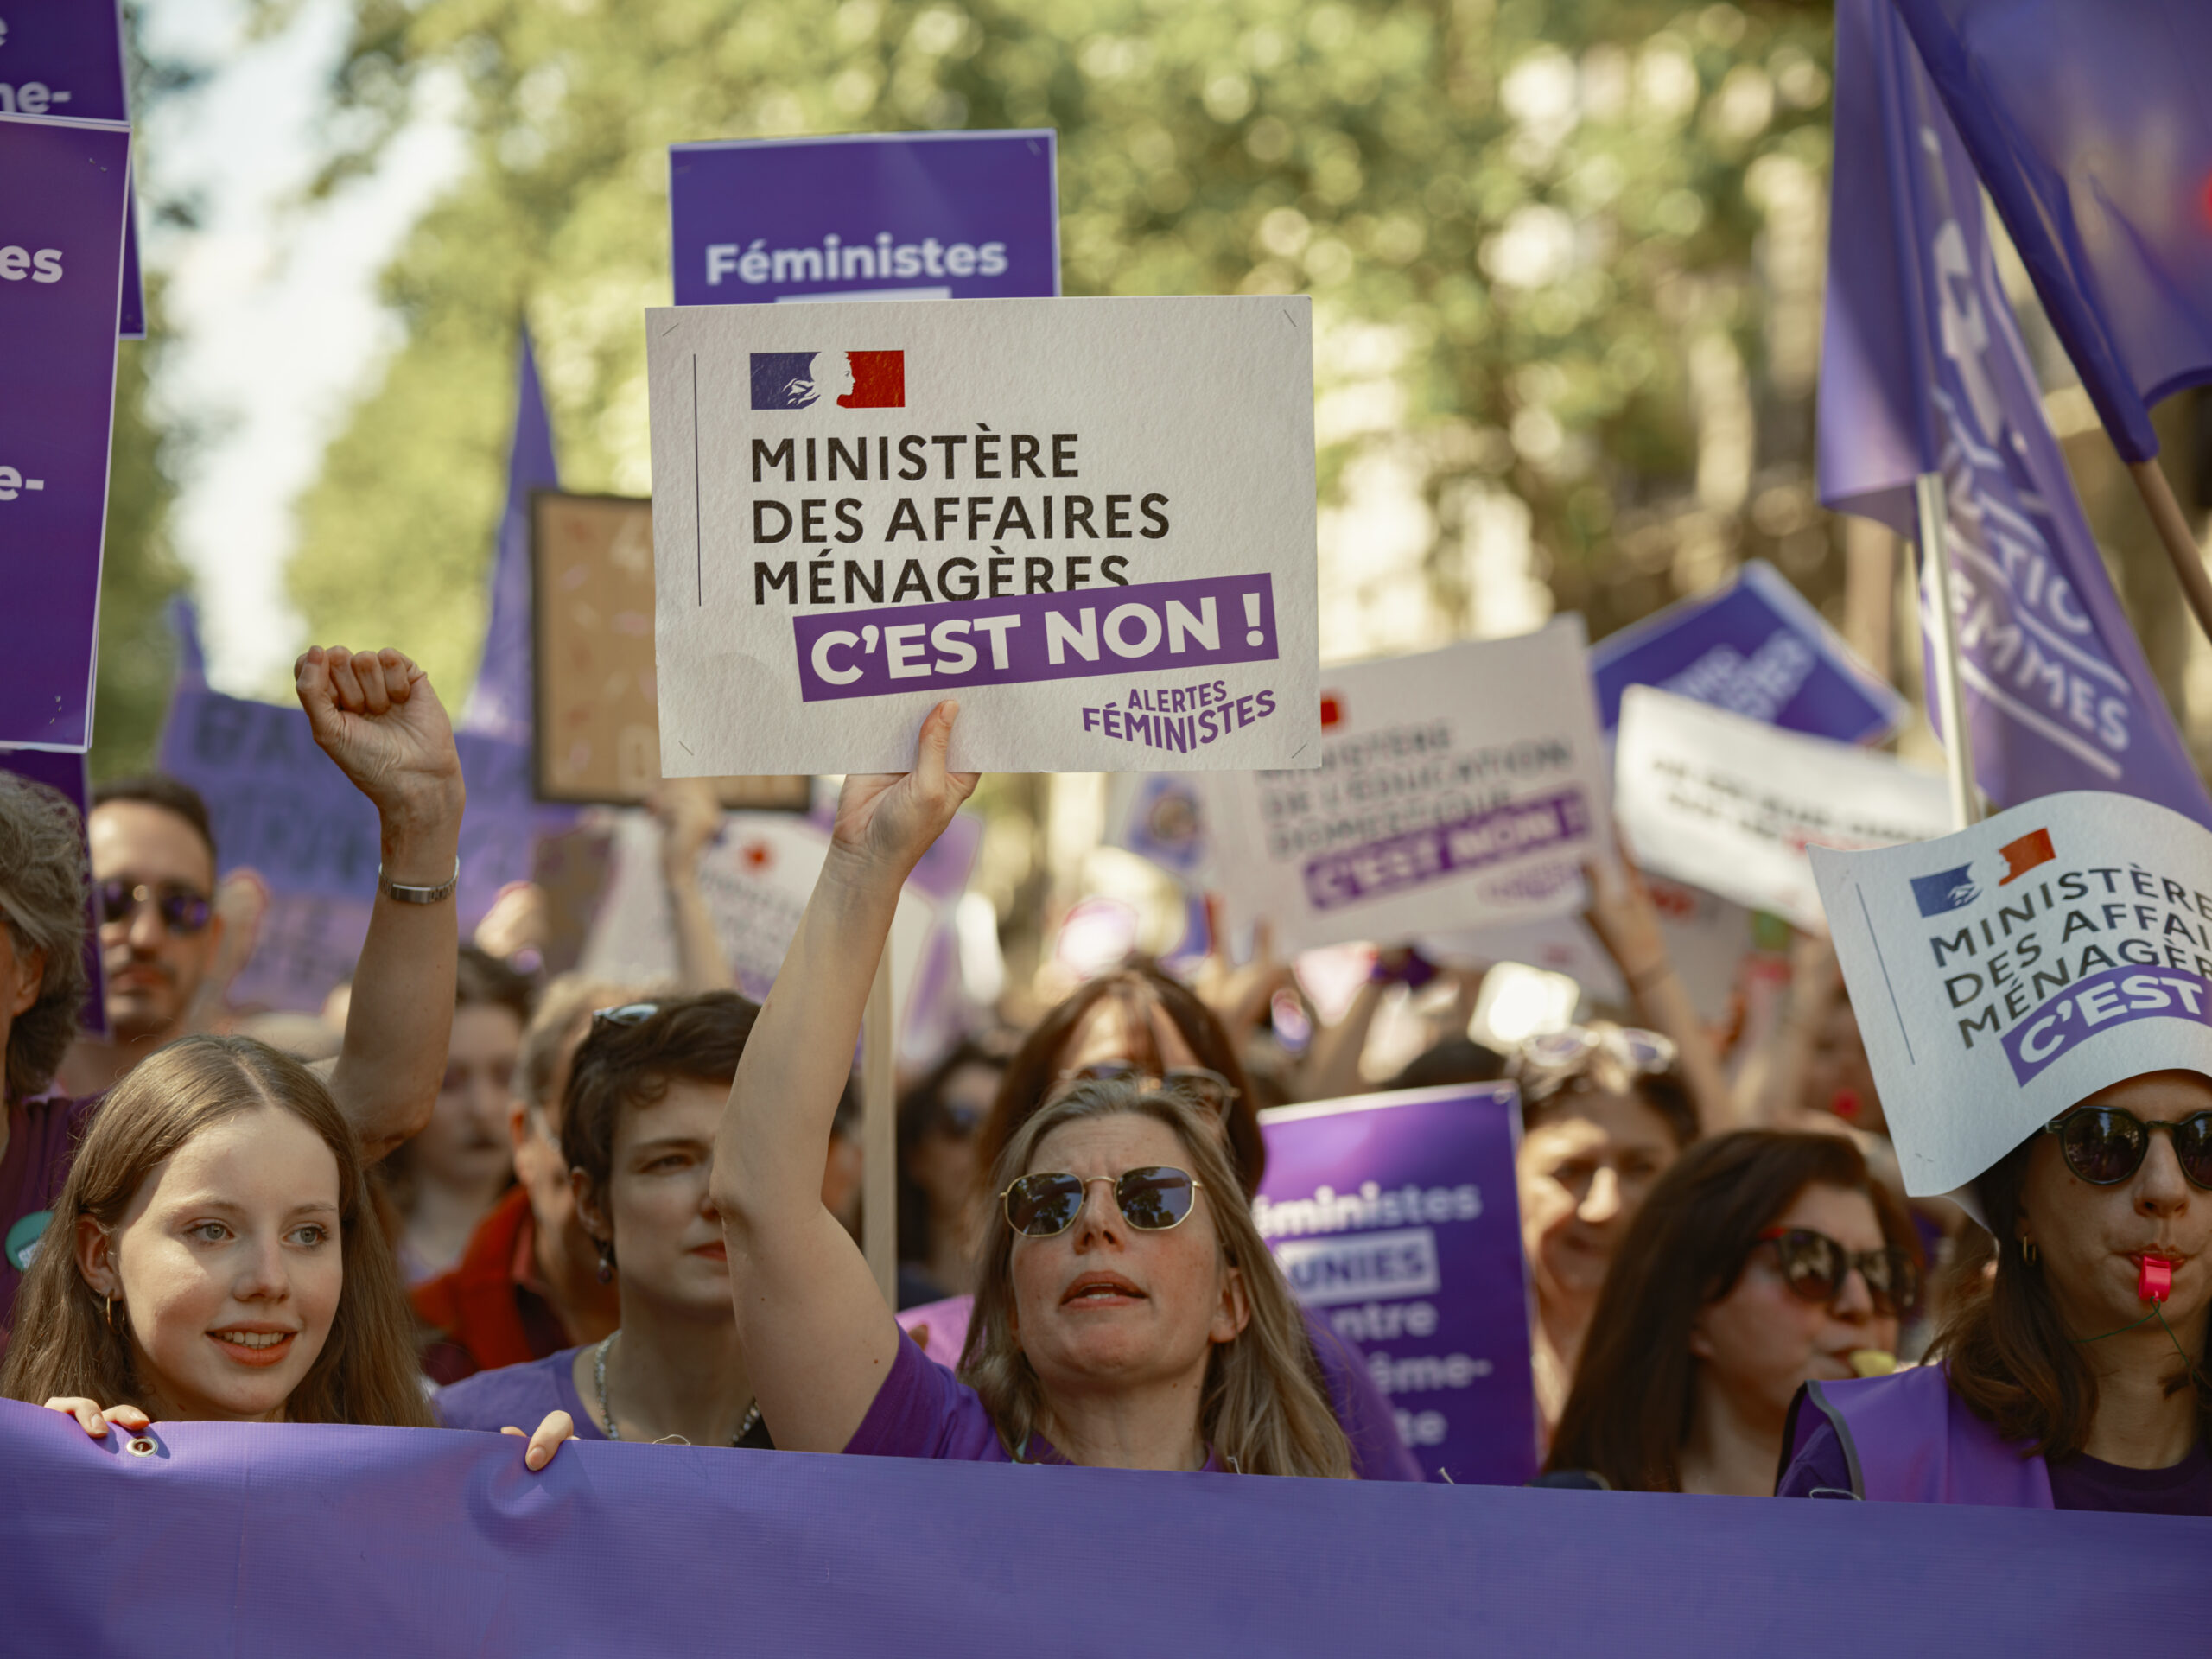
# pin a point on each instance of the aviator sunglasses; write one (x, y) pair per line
(2104, 1145)
(1152, 1199)
(183, 911)
(1814, 1267)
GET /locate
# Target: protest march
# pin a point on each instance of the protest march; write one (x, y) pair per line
(1424, 790)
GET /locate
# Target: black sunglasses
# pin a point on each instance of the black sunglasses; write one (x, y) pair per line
(2104, 1145)
(1814, 1266)
(1195, 1084)
(1152, 1199)
(182, 910)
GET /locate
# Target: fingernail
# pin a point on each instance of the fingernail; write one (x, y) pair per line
(535, 1458)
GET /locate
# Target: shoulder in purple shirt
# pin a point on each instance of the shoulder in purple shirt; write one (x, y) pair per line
(2076, 1482)
(517, 1396)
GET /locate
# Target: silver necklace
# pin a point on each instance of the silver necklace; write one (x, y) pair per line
(607, 1415)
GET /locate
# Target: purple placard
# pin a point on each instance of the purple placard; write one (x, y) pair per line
(66, 774)
(1445, 849)
(910, 215)
(2104, 1002)
(1148, 628)
(1394, 1216)
(62, 195)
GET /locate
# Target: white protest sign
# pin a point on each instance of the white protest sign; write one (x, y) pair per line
(1091, 521)
(1458, 788)
(2004, 973)
(1731, 803)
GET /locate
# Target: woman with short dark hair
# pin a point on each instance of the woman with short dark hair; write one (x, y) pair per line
(1759, 1261)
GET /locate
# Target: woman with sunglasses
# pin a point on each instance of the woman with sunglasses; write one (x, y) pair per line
(2073, 1377)
(1127, 1314)
(1759, 1261)
(939, 1218)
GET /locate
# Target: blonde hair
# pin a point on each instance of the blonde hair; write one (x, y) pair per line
(1266, 1405)
(63, 1343)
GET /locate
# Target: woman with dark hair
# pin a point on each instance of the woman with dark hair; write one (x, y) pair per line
(2076, 1376)
(1760, 1260)
(938, 1172)
(1604, 1111)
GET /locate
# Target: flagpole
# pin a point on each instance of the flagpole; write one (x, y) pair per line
(880, 1133)
(2173, 531)
(1932, 515)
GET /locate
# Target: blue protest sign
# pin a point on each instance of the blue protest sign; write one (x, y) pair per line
(62, 191)
(66, 774)
(64, 58)
(1923, 370)
(1756, 648)
(907, 216)
(1395, 1216)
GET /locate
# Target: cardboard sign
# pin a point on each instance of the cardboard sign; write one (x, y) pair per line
(1756, 648)
(867, 216)
(1091, 521)
(1732, 804)
(598, 725)
(62, 188)
(66, 774)
(1396, 1216)
(1457, 789)
(2003, 974)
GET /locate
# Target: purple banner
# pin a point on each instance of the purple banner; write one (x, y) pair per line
(62, 191)
(1150, 629)
(66, 774)
(1395, 1216)
(1445, 849)
(2104, 1002)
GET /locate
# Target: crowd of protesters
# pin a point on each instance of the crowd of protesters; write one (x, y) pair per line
(570, 1209)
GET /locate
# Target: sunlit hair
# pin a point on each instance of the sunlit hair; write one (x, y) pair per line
(42, 905)
(1548, 1088)
(1266, 1405)
(63, 1344)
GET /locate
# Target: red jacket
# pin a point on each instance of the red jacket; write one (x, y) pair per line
(478, 1306)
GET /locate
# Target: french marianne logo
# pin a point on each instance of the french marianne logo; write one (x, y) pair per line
(849, 379)
(1954, 889)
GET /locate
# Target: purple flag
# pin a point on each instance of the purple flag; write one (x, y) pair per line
(356, 1543)
(62, 188)
(2090, 126)
(503, 704)
(1395, 1218)
(66, 774)
(1923, 370)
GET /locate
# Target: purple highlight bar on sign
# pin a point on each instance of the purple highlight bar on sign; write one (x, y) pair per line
(1140, 629)
(1445, 849)
(2101, 1002)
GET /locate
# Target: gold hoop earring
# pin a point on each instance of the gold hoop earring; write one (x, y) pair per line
(111, 1325)
(2029, 1253)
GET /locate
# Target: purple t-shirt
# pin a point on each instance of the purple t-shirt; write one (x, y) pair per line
(924, 1411)
(43, 1136)
(517, 1396)
(2076, 1482)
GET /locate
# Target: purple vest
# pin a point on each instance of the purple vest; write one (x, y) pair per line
(1907, 1439)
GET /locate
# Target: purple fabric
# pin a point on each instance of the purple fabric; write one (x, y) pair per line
(43, 1136)
(68, 775)
(1363, 1412)
(1922, 371)
(62, 192)
(2089, 125)
(1914, 1441)
(518, 1396)
(504, 705)
(2080, 1483)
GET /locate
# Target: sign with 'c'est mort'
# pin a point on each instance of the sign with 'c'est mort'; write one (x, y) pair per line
(1091, 521)
(890, 216)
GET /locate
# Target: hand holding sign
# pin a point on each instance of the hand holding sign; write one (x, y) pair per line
(890, 819)
(378, 718)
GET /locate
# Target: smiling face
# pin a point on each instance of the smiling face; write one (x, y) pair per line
(229, 1263)
(667, 1233)
(1760, 1342)
(1583, 1171)
(1105, 1305)
(2091, 1240)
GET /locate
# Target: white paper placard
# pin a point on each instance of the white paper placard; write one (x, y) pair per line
(2004, 973)
(1459, 788)
(1091, 520)
(1731, 804)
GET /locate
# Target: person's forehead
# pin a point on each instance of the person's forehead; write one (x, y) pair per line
(262, 1157)
(1845, 1215)
(150, 843)
(1596, 1119)
(486, 1028)
(1107, 1146)
(2168, 1095)
(688, 1110)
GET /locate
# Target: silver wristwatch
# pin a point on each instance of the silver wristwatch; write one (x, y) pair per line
(401, 893)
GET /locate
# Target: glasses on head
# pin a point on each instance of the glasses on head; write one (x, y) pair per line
(2105, 1145)
(182, 909)
(630, 1014)
(1814, 1266)
(1643, 1052)
(1152, 1199)
(1202, 1087)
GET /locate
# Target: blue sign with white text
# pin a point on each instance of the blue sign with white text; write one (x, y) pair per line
(892, 216)
(1756, 648)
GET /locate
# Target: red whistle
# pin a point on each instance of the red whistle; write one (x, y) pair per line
(2157, 1282)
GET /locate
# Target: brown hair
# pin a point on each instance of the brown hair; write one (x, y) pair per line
(1138, 988)
(2008, 1354)
(1265, 1404)
(42, 884)
(63, 1344)
(1546, 1086)
(1634, 1391)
